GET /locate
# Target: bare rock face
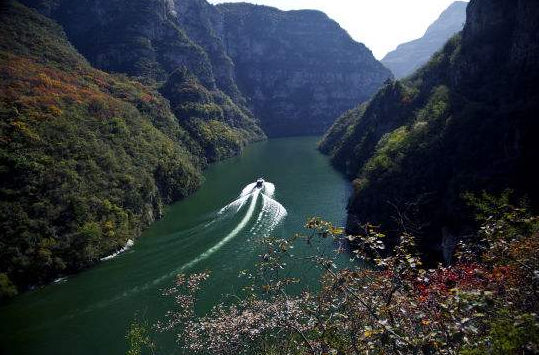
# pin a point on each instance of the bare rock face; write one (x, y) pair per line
(298, 69)
(409, 56)
(201, 21)
(295, 71)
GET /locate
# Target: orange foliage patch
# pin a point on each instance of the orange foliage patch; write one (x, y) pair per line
(43, 92)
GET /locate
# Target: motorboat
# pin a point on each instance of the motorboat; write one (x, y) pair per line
(259, 183)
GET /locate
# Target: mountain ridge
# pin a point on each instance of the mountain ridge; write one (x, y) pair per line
(292, 69)
(409, 56)
(288, 57)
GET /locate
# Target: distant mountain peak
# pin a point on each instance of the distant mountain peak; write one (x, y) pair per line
(411, 55)
(451, 20)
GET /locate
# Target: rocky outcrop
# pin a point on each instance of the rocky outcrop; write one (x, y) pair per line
(465, 122)
(203, 23)
(411, 55)
(298, 69)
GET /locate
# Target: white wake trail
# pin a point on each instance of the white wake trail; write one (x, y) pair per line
(269, 189)
(248, 189)
(248, 215)
(237, 204)
(275, 211)
(270, 216)
(127, 246)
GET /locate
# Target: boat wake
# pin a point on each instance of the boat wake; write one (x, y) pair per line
(262, 214)
(127, 246)
(271, 214)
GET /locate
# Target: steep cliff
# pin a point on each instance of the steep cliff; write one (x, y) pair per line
(298, 69)
(464, 122)
(151, 39)
(409, 56)
(87, 159)
(139, 37)
(203, 23)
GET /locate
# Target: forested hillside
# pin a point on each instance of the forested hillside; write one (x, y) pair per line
(147, 39)
(220, 127)
(95, 144)
(464, 122)
(87, 159)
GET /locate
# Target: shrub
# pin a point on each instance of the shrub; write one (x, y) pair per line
(388, 304)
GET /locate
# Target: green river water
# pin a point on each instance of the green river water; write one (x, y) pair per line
(88, 314)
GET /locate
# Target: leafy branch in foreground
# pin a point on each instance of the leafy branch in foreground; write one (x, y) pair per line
(139, 339)
(485, 303)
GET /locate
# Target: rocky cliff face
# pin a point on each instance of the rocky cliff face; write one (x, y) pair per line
(140, 38)
(298, 69)
(203, 24)
(295, 70)
(411, 55)
(465, 122)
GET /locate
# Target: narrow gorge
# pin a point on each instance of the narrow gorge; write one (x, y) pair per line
(99, 96)
(208, 177)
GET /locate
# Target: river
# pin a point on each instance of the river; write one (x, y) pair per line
(215, 229)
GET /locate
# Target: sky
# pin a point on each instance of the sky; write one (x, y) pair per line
(380, 24)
